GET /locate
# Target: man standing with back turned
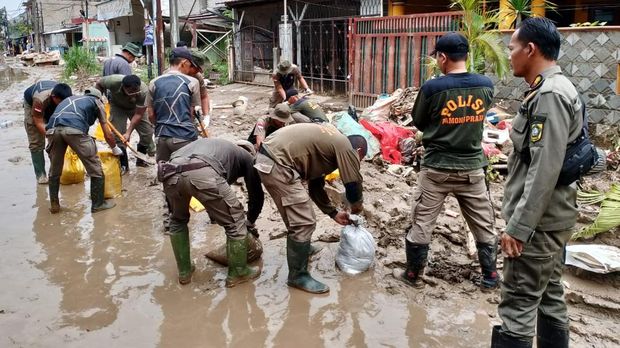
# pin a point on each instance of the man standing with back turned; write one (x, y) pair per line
(540, 214)
(450, 110)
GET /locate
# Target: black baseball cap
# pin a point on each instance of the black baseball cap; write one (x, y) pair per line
(451, 43)
(183, 52)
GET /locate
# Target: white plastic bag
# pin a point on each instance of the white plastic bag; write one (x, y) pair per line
(356, 251)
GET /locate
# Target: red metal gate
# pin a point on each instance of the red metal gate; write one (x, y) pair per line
(385, 53)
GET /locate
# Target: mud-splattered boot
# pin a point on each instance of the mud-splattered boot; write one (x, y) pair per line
(550, 333)
(38, 162)
(179, 239)
(297, 254)
(54, 187)
(502, 340)
(142, 149)
(417, 255)
(97, 192)
(487, 255)
(238, 270)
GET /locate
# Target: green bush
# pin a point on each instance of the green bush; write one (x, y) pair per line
(79, 61)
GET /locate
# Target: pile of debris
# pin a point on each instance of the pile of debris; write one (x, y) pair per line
(43, 58)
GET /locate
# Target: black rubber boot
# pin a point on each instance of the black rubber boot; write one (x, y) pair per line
(417, 255)
(238, 270)
(179, 239)
(551, 333)
(501, 340)
(297, 254)
(38, 162)
(141, 149)
(487, 256)
(124, 160)
(54, 187)
(97, 186)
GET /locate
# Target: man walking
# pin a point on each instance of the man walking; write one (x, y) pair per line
(68, 126)
(39, 105)
(119, 64)
(205, 169)
(127, 95)
(540, 214)
(171, 101)
(307, 152)
(450, 110)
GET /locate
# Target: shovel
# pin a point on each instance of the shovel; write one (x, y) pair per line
(139, 155)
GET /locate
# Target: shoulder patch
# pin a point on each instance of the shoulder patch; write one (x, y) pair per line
(536, 128)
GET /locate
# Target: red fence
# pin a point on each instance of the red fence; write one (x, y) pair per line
(385, 53)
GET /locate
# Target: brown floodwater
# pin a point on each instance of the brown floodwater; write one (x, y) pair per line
(109, 280)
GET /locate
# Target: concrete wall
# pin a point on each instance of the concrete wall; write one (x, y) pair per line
(589, 57)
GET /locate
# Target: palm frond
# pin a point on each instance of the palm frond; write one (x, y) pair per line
(608, 217)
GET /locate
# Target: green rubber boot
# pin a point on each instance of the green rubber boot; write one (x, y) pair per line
(297, 254)
(179, 239)
(54, 187)
(96, 195)
(38, 162)
(238, 270)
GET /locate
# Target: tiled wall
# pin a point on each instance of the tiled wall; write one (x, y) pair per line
(590, 58)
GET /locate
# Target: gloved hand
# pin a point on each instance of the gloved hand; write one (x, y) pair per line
(116, 151)
(251, 228)
(308, 91)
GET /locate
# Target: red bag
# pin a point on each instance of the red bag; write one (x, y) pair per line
(388, 134)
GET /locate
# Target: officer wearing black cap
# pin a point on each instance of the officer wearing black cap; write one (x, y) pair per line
(127, 96)
(450, 111)
(171, 101)
(69, 126)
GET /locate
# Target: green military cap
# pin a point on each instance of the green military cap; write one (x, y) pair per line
(134, 49)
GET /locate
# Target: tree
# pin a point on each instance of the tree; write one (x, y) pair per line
(486, 50)
(521, 9)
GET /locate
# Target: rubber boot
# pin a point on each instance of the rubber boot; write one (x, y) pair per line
(38, 162)
(97, 186)
(487, 255)
(54, 187)
(141, 149)
(238, 270)
(124, 161)
(501, 340)
(179, 239)
(417, 255)
(551, 333)
(297, 254)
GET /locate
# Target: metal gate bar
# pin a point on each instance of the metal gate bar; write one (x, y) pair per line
(386, 53)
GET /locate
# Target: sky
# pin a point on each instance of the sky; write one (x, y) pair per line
(13, 7)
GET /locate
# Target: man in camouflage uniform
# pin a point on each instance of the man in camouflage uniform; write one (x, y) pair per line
(540, 214)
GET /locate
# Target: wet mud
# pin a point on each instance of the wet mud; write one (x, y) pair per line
(81, 280)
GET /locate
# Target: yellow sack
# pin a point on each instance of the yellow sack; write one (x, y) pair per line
(196, 205)
(98, 131)
(333, 176)
(112, 172)
(72, 170)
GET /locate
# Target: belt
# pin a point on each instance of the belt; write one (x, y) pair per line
(190, 166)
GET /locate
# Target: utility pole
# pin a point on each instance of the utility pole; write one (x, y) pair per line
(86, 35)
(174, 23)
(160, 39)
(34, 12)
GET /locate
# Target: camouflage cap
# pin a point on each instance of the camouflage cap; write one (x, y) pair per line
(285, 67)
(134, 49)
(282, 113)
(198, 58)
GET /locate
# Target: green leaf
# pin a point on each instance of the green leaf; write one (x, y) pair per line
(609, 215)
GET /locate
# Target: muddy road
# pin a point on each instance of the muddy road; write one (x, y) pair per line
(80, 280)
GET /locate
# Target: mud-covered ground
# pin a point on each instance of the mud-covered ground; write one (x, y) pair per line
(109, 279)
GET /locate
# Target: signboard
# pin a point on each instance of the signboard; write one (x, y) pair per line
(113, 9)
(148, 35)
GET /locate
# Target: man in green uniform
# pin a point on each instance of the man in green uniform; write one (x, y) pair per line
(308, 152)
(540, 214)
(305, 107)
(69, 126)
(284, 78)
(265, 125)
(127, 96)
(205, 169)
(450, 110)
(39, 105)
